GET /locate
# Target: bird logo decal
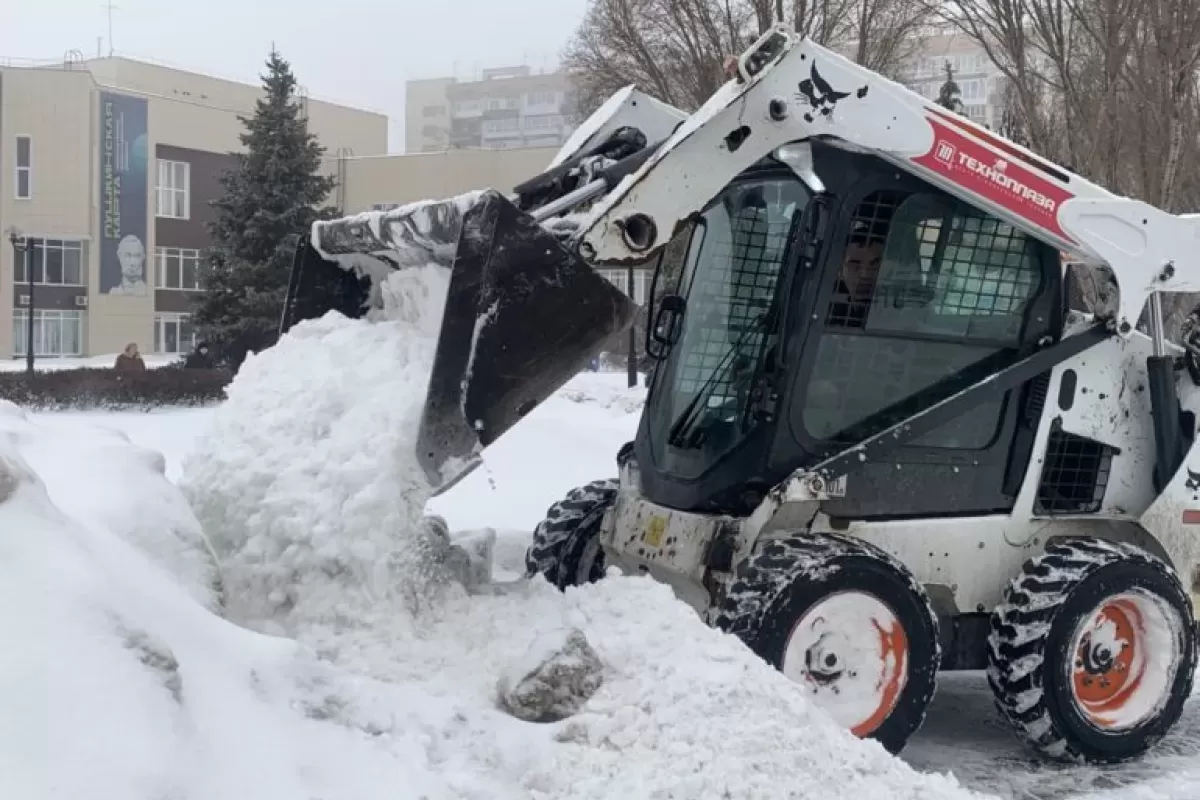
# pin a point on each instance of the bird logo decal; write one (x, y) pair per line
(1193, 481)
(821, 97)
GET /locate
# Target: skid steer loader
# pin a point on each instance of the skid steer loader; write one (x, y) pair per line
(878, 441)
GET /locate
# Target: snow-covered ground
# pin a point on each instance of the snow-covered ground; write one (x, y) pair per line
(319, 681)
(572, 438)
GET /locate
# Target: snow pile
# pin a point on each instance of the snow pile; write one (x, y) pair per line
(307, 481)
(105, 483)
(683, 711)
(117, 683)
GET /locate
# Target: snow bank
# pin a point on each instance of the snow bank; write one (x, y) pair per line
(684, 711)
(116, 683)
(105, 483)
(307, 481)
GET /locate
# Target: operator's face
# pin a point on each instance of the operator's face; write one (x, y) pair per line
(860, 269)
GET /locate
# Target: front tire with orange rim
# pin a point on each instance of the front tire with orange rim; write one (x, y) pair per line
(848, 623)
(1093, 651)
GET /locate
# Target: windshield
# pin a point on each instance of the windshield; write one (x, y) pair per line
(715, 371)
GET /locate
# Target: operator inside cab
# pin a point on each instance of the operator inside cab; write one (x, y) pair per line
(856, 281)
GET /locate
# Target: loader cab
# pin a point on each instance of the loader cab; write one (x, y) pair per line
(810, 322)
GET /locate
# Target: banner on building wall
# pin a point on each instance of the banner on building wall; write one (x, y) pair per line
(124, 190)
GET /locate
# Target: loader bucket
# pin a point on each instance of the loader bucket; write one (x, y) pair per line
(522, 316)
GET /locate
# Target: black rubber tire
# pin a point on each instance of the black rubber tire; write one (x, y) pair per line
(571, 525)
(784, 578)
(1029, 668)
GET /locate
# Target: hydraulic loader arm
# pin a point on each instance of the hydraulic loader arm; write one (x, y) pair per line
(789, 89)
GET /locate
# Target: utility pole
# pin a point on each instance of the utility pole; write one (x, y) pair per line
(632, 362)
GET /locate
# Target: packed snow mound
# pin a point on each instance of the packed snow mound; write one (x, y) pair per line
(117, 683)
(104, 482)
(307, 481)
(683, 711)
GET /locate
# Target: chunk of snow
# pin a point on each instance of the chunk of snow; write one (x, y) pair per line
(553, 680)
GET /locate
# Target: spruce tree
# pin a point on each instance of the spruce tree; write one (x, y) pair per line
(950, 96)
(271, 197)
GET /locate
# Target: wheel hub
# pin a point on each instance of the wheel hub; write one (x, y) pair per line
(1122, 657)
(850, 652)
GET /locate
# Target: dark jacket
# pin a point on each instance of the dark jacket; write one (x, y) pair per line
(126, 363)
(199, 360)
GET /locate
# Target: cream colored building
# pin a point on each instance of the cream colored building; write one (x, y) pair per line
(101, 278)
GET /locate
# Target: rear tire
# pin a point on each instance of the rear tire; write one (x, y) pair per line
(1093, 651)
(566, 544)
(846, 621)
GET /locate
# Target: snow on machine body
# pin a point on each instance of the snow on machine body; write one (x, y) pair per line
(878, 441)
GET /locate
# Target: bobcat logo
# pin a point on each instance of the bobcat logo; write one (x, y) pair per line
(820, 96)
(1193, 481)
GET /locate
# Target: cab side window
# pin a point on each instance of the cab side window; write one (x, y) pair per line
(930, 296)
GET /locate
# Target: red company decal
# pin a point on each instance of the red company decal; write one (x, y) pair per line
(1008, 184)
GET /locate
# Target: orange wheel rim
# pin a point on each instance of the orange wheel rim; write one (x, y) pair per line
(850, 653)
(893, 649)
(1123, 659)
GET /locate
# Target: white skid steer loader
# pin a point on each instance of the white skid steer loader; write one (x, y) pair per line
(878, 441)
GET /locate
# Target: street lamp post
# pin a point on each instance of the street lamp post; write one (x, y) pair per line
(21, 249)
(632, 361)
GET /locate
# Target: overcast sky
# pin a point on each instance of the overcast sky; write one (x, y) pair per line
(358, 52)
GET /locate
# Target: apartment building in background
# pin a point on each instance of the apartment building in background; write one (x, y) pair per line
(506, 108)
(107, 168)
(980, 82)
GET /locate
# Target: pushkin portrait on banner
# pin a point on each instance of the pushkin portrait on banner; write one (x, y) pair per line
(124, 188)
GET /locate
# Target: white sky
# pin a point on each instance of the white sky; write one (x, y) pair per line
(358, 52)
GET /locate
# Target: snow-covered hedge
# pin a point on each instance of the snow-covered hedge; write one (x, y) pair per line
(110, 389)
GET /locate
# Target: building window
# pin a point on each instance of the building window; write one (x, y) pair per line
(433, 111)
(177, 268)
(619, 278)
(23, 187)
(171, 192)
(55, 333)
(541, 98)
(502, 125)
(173, 333)
(54, 262)
(973, 89)
(544, 122)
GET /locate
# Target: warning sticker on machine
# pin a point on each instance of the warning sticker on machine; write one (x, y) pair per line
(979, 169)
